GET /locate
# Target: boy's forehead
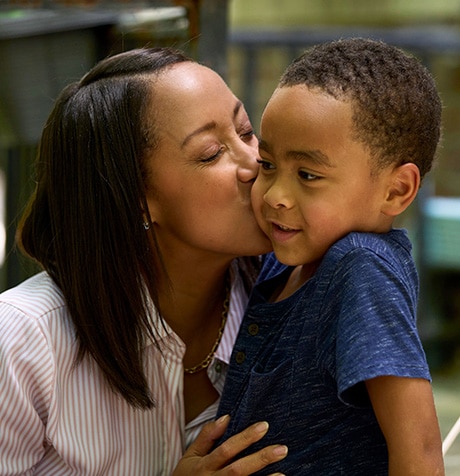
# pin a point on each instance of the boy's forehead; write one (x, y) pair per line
(301, 101)
(307, 125)
(299, 111)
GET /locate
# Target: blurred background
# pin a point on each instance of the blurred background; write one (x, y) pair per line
(45, 44)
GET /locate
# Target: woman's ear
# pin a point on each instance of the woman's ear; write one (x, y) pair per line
(403, 186)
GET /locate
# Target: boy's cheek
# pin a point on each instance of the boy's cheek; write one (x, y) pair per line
(256, 194)
(257, 206)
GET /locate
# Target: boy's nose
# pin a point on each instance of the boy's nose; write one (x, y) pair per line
(277, 196)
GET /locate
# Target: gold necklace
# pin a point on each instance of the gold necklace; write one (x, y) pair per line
(204, 364)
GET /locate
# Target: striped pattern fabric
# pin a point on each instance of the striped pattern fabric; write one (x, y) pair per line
(59, 420)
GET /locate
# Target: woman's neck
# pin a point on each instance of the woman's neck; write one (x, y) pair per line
(192, 303)
(191, 297)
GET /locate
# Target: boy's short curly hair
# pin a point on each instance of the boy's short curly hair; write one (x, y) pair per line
(396, 106)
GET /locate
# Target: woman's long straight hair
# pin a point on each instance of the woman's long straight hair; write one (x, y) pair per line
(84, 222)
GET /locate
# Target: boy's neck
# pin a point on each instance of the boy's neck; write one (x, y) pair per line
(298, 277)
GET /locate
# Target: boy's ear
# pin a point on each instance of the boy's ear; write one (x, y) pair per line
(403, 186)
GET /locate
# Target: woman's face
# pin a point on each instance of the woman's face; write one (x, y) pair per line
(203, 169)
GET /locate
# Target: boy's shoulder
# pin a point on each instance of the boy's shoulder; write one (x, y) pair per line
(395, 243)
(371, 256)
(393, 247)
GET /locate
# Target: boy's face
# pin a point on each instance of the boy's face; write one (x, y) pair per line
(315, 183)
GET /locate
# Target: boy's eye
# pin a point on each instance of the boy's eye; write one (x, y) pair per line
(307, 175)
(265, 164)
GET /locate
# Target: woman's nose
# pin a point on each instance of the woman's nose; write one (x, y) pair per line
(247, 163)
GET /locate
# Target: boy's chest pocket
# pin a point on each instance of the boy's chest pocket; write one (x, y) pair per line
(267, 398)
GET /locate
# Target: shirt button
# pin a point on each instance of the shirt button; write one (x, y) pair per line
(218, 367)
(240, 357)
(253, 329)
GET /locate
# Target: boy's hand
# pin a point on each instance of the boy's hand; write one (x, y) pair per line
(199, 461)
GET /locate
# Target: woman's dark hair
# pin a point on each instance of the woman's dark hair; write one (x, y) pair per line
(84, 223)
(396, 106)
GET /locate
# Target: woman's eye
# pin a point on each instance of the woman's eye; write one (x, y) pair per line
(212, 157)
(265, 164)
(248, 135)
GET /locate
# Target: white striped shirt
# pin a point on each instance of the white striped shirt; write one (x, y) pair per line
(57, 420)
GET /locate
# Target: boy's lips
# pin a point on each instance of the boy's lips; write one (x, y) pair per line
(284, 228)
(280, 232)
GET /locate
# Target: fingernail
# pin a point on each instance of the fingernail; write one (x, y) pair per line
(223, 419)
(261, 427)
(280, 450)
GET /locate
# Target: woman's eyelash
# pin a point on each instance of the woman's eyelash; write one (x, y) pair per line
(212, 157)
(247, 134)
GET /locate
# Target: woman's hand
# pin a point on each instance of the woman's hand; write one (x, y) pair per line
(199, 461)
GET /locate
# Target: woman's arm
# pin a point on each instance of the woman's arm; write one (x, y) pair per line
(198, 461)
(406, 413)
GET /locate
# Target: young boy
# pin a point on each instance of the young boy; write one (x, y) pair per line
(328, 352)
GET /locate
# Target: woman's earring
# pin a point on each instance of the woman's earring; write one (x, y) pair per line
(146, 225)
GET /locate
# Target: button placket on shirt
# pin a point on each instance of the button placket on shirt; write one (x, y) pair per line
(253, 330)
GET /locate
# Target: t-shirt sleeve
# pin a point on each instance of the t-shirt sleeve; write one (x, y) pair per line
(376, 331)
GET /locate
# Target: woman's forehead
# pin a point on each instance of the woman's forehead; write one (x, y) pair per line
(189, 95)
(186, 79)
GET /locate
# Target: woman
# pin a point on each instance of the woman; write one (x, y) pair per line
(114, 357)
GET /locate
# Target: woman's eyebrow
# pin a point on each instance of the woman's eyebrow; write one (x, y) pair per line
(237, 108)
(206, 127)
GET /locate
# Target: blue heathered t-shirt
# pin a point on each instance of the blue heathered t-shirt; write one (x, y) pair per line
(301, 363)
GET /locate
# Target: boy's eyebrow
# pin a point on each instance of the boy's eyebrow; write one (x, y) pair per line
(211, 125)
(315, 156)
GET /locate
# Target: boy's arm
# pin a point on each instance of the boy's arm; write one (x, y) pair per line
(405, 410)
